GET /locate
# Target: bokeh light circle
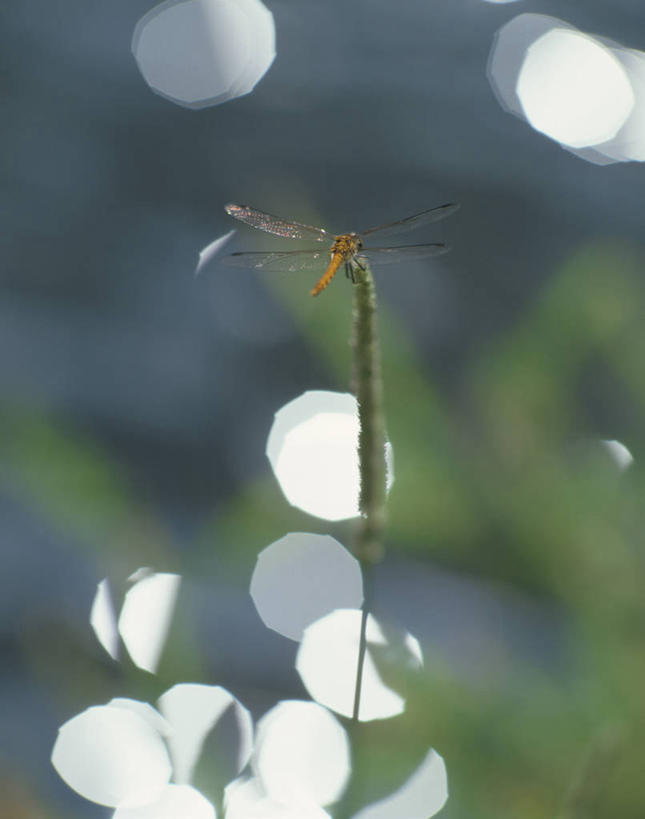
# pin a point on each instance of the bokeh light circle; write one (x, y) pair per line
(112, 755)
(204, 52)
(313, 450)
(174, 802)
(326, 662)
(302, 577)
(587, 92)
(301, 754)
(573, 89)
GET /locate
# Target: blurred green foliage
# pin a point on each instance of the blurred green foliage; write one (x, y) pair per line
(507, 480)
(504, 480)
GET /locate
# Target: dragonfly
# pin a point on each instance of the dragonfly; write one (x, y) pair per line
(345, 249)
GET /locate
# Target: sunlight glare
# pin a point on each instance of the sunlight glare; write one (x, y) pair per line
(621, 456)
(112, 755)
(193, 711)
(145, 618)
(143, 709)
(245, 798)
(208, 253)
(199, 53)
(301, 754)
(103, 620)
(175, 801)
(313, 449)
(586, 92)
(573, 89)
(629, 143)
(326, 662)
(423, 795)
(507, 55)
(302, 577)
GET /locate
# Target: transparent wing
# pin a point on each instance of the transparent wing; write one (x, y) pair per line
(426, 217)
(276, 225)
(405, 253)
(288, 260)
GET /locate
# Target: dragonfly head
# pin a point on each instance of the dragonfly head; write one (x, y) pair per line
(348, 242)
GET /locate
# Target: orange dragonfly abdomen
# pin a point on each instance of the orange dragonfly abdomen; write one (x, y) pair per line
(343, 250)
(336, 261)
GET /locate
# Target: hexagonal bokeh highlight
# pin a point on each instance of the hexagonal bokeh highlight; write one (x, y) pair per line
(313, 449)
(300, 578)
(144, 620)
(245, 798)
(174, 801)
(573, 89)
(326, 662)
(420, 797)
(195, 712)
(145, 617)
(586, 92)
(199, 53)
(301, 754)
(103, 619)
(113, 755)
(619, 453)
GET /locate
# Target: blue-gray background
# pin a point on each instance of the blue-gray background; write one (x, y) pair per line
(137, 399)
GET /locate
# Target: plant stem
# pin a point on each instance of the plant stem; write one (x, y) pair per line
(368, 386)
(362, 647)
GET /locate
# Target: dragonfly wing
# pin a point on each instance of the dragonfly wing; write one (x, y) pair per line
(405, 253)
(289, 260)
(276, 225)
(426, 217)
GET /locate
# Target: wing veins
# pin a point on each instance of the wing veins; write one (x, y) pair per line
(426, 217)
(402, 253)
(276, 225)
(284, 260)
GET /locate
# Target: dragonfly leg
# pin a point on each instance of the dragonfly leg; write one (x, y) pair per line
(353, 264)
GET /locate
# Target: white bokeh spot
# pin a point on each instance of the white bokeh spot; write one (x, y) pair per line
(245, 798)
(313, 450)
(629, 142)
(302, 577)
(573, 89)
(301, 754)
(145, 617)
(587, 92)
(103, 619)
(620, 455)
(204, 52)
(112, 755)
(420, 797)
(174, 802)
(193, 710)
(326, 662)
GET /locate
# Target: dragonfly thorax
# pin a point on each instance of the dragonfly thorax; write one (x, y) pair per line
(346, 245)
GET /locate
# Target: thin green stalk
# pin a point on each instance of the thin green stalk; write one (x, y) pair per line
(368, 387)
(362, 648)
